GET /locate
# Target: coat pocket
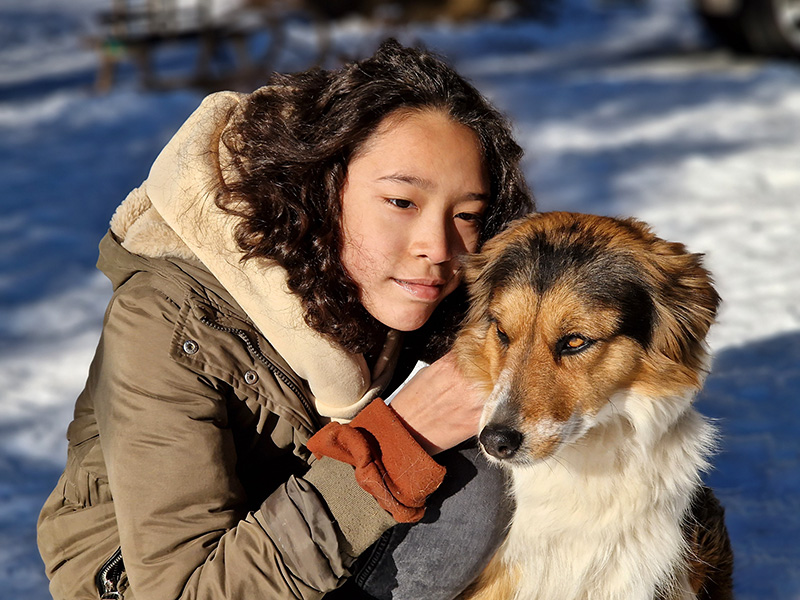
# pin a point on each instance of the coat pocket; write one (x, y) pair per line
(84, 480)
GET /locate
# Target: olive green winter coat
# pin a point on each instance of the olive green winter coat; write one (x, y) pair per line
(188, 443)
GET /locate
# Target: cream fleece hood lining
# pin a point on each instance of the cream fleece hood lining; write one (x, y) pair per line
(173, 214)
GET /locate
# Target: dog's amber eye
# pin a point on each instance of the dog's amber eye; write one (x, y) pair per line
(501, 335)
(572, 344)
(575, 342)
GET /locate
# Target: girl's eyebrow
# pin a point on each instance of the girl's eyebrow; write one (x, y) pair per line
(426, 184)
(479, 196)
(419, 182)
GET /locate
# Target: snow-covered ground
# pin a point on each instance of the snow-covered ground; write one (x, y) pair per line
(621, 110)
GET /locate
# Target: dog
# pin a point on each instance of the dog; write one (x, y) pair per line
(587, 335)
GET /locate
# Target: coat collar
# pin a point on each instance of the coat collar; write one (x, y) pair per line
(173, 214)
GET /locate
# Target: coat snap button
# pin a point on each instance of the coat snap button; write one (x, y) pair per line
(251, 377)
(190, 347)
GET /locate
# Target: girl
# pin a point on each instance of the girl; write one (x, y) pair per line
(291, 255)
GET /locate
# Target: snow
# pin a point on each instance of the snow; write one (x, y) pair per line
(622, 109)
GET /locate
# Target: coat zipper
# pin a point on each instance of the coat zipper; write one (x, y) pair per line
(108, 577)
(255, 350)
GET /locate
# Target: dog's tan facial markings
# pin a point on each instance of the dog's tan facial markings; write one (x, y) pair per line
(551, 381)
(567, 311)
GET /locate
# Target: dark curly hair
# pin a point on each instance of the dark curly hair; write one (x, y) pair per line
(291, 145)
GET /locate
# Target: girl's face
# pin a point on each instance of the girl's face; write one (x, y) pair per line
(411, 204)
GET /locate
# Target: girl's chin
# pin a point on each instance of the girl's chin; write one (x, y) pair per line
(403, 320)
(406, 324)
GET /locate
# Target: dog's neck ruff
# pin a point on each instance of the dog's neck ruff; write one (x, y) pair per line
(602, 520)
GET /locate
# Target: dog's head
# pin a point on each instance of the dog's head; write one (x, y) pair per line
(567, 312)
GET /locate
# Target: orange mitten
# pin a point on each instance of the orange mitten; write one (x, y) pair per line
(389, 463)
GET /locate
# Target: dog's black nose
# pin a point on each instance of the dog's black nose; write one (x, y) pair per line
(500, 442)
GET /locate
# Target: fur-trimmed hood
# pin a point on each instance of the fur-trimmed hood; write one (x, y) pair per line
(173, 215)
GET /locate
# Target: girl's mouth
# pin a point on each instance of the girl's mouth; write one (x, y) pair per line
(428, 290)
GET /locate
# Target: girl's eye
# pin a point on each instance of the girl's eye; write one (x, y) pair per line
(400, 203)
(470, 217)
(573, 343)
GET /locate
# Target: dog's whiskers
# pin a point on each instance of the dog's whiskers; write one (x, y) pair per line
(559, 460)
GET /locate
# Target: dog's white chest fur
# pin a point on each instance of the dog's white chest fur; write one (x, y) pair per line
(603, 519)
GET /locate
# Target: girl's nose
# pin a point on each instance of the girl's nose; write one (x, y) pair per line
(434, 240)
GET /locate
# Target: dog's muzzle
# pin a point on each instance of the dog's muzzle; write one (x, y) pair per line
(500, 441)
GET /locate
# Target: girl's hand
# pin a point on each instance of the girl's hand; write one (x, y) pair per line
(439, 407)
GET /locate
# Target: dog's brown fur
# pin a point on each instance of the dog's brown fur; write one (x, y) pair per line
(570, 314)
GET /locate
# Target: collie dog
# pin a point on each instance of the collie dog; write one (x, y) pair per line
(587, 335)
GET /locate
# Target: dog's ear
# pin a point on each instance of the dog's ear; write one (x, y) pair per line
(480, 273)
(686, 303)
(478, 284)
(473, 266)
